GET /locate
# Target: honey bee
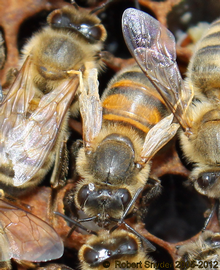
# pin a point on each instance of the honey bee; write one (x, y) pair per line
(107, 248)
(195, 102)
(56, 63)
(120, 136)
(202, 253)
(119, 249)
(24, 236)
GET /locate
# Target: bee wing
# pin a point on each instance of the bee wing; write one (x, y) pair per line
(30, 142)
(91, 108)
(27, 237)
(157, 137)
(14, 107)
(153, 47)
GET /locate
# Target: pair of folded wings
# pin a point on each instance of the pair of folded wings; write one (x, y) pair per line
(27, 139)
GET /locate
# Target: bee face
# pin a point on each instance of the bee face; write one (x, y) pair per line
(195, 102)
(105, 200)
(72, 41)
(120, 246)
(83, 23)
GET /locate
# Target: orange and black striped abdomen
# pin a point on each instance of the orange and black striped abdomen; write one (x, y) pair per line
(131, 99)
(204, 68)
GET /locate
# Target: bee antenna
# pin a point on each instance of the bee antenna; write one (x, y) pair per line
(74, 4)
(144, 240)
(148, 244)
(121, 220)
(76, 223)
(103, 6)
(130, 204)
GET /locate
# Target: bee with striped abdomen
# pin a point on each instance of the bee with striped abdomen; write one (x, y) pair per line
(120, 136)
(194, 103)
(56, 62)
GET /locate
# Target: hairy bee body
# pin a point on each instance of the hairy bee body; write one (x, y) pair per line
(203, 252)
(55, 65)
(57, 50)
(120, 249)
(114, 164)
(195, 101)
(203, 146)
(203, 70)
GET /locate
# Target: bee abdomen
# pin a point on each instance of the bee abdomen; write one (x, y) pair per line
(131, 101)
(204, 67)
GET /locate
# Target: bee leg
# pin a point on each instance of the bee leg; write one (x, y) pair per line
(69, 205)
(58, 178)
(6, 265)
(152, 190)
(76, 146)
(25, 264)
(215, 209)
(2, 52)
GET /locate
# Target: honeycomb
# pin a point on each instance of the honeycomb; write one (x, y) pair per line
(178, 214)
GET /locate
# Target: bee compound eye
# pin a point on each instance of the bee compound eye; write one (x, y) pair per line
(91, 256)
(131, 245)
(216, 241)
(127, 245)
(58, 19)
(125, 196)
(83, 194)
(207, 179)
(95, 33)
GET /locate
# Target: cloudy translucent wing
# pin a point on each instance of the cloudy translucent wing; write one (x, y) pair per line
(91, 108)
(29, 143)
(14, 107)
(27, 237)
(158, 136)
(153, 47)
